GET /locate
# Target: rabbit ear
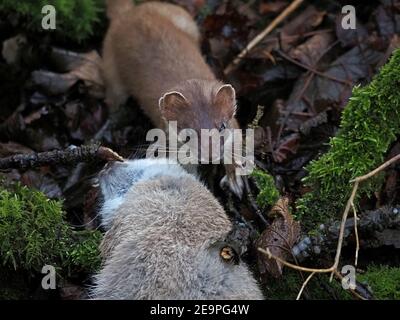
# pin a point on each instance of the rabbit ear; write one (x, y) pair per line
(171, 104)
(225, 100)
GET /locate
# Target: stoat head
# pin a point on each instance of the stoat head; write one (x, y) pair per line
(118, 177)
(201, 104)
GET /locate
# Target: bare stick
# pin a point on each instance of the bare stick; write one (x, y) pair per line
(356, 234)
(66, 156)
(311, 69)
(304, 285)
(253, 202)
(291, 265)
(342, 227)
(377, 170)
(285, 13)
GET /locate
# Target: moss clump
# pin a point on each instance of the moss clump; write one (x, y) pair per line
(288, 286)
(84, 251)
(383, 280)
(268, 193)
(33, 233)
(370, 124)
(75, 19)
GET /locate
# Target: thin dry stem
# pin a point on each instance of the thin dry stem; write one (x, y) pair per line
(274, 23)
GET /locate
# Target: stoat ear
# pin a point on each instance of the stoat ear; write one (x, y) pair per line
(225, 100)
(171, 104)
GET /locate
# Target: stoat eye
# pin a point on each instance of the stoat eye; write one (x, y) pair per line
(222, 127)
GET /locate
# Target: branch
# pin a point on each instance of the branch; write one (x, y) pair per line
(70, 155)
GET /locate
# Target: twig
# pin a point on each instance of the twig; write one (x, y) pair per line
(285, 13)
(311, 69)
(377, 170)
(304, 285)
(355, 292)
(252, 201)
(66, 156)
(350, 204)
(356, 234)
(342, 227)
(291, 265)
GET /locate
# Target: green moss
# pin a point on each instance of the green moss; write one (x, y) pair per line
(75, 19)
(84, 251)
(383, 280)
(32, 230)
(268, 194)
(370, 124)
(33, 233)
(289, 284)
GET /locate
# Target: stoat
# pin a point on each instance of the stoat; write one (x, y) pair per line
(151, 52)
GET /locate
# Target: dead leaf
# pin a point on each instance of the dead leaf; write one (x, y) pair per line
(288, 145)
(53, 83)
(312, 50)
(42, 182)
(279, 238)
(272, 7)
(36, 115)
(385, 21)
(393, 45)
(290, 33)
(350, 37)
(318, 93)
(193, 6)
(11, 148)
(13, 47)
(84, 67)
(306, 126)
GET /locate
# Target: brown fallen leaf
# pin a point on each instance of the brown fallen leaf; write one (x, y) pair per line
(85, 67)
(286, 146)
(310, 51)
(36, 115)
(272, 7)
(291, 33)
(350, 37)
(43, 182)
(12, 48)
(279, 238)
(10, 148)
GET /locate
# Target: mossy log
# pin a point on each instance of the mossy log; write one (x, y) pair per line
(370, 124)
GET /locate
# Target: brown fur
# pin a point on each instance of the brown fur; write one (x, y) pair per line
(152, 49)
(146, 55)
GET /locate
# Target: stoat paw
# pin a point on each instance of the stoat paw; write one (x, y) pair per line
(234, 183)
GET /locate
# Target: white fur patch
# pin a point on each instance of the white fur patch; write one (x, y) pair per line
(149, 169)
